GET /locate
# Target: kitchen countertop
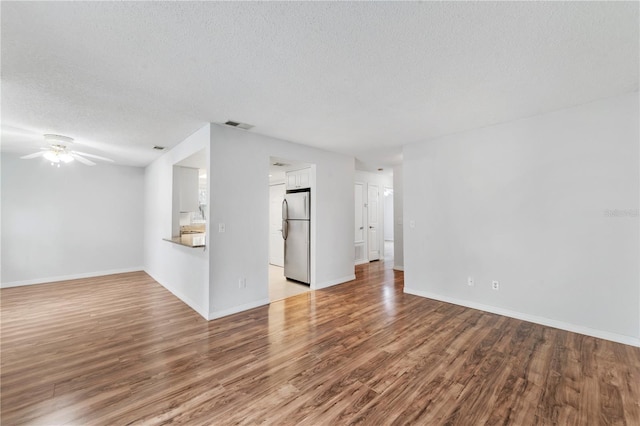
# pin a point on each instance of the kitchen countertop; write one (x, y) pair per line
(182, 242)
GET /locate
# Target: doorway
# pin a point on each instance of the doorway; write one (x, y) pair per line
(373, 197)
(360, 239)
(282, 173)
(373, 222)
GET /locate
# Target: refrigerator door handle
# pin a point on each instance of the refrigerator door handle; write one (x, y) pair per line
(285, 219)
(305, 206)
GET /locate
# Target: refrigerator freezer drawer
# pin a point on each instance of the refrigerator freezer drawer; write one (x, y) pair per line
(296, 251)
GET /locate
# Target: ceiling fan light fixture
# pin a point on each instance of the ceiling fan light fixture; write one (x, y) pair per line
(58, 155)
(52, 156)
(65, 158)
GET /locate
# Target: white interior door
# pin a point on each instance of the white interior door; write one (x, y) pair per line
(359, 240)
(373, 234)
(276, 243)
(359, 210)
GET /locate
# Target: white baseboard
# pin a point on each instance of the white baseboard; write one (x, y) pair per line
(614, 337)
(188, 301)
(70, 277)
(219, 314)
(398, 267)
(334, 282)
(361, 262)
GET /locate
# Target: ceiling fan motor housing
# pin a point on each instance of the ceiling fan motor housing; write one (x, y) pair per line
(58, 140)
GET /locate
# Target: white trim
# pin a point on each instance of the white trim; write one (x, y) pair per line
(362, 262)
(219, 314)
(614, 337)
(398, 267)
(71, 277)
(186, 300)
(334, 282)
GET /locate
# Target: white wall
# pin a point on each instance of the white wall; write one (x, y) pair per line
(388, 214)
(69, 222)
(240, 199)
(381, 179)
(398, 209)
(182, 270)
(527, 203)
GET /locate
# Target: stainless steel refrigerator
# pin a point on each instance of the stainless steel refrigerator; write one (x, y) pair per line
(296, 221)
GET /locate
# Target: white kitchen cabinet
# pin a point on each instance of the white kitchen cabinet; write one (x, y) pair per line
(188, 184)
(299, 179)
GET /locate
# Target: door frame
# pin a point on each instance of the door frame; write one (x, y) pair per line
(368, 224)
(365, 220)
(384, 218)
(363, 211)
(271, 235)
(312, 186)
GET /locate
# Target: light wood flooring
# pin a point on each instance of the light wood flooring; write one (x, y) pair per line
(122, 350)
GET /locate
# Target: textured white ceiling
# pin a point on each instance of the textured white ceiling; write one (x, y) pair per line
(356, 77)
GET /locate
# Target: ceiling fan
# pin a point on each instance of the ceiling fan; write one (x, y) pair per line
(58, 152)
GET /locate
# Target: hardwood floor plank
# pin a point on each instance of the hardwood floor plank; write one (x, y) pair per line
(122, 350)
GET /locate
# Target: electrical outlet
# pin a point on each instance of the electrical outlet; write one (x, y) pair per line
(470, 281)
(412, 224)
(242, 283)
(495, 285)
(221, 227)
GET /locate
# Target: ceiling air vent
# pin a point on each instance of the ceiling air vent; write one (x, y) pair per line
(278, 164)
(159, 148)
(239, 125)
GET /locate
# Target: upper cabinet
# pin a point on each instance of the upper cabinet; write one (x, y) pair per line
(299, 179)
(188, 185)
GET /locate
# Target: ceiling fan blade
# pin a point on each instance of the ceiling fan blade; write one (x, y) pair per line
(34, 155)
(81, 159)
(97, 157)
(18, 131)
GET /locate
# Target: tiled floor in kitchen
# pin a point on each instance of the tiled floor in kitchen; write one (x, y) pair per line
(281, 288)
